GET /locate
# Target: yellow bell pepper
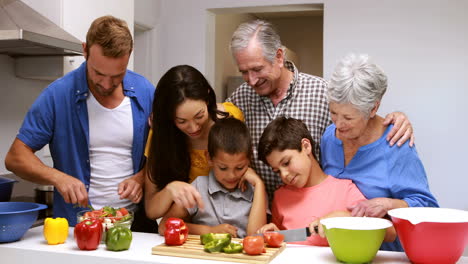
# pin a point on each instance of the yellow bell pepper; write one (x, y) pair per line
(55, 230)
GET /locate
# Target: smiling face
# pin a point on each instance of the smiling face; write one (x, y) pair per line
(229, 168)
(104, 74)
(349, 121)
(293, 166)
(192, 118)
(262, 75)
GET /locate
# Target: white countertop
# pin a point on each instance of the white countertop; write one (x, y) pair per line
(34, 247)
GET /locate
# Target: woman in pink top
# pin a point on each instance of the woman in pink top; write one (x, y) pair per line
(308, 194)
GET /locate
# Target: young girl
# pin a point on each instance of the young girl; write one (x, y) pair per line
(233, 194)
(308, 194)
(184, 109)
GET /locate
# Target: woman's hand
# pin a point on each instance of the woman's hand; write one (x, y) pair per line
(225, 228)
(185, 195)
(402, 129)
(377, 207)
(267, 227)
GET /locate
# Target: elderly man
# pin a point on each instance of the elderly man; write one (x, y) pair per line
(274, 87)
(95, 122)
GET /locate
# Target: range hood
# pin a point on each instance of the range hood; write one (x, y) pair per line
(25, 32)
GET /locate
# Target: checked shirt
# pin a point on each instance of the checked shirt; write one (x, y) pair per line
(305, 100)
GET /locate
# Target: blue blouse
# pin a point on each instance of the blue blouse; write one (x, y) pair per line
(379, 170)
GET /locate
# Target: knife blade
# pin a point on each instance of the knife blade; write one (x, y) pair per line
(293, 235)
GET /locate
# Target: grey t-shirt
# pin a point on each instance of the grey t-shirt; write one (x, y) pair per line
(221, 205)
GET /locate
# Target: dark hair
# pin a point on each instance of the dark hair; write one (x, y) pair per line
(281, 134)
(169, 157)
(231, 136)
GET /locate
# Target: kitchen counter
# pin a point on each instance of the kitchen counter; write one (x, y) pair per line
(33, 247)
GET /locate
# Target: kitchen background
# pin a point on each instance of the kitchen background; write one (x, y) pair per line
(421, 45)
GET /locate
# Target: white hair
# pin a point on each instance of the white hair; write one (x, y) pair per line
(263, 32)
(358, 82)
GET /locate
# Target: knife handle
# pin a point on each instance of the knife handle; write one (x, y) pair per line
(308, 231)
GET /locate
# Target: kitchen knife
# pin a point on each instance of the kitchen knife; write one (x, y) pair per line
(293, 235)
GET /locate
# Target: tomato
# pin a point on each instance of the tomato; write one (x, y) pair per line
(273, 239)
(124, 211)
(87, 215)
(253, 245)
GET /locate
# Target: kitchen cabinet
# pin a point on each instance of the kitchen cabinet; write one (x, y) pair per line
(33, 247)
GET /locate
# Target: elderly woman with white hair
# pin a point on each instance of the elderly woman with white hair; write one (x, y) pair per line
(354, 146)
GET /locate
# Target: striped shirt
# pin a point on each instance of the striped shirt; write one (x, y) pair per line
(305, 100)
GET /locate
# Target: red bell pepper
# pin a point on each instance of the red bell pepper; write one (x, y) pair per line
(176, 232)
(88, 234)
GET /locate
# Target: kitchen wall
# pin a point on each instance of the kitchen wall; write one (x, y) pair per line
(420, 44)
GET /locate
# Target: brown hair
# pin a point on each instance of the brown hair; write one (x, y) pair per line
(281, 134)
(112, 34)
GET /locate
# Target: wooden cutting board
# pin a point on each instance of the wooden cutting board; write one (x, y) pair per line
(192, 248)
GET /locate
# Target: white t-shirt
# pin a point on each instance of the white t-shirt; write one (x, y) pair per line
(110, 151)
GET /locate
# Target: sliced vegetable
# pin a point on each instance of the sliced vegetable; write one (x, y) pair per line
(55, 230)
(118, 238)
(205, 238)
(88, 234)
(176, 232)
(217, 245)
(254, 245)
(233, 248)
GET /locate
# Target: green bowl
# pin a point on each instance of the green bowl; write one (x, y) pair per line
(355, 239)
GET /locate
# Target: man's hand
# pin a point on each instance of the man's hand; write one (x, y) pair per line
(131, 188)
(377, 207)
(402, 129)
(185, 195)
(72, 190)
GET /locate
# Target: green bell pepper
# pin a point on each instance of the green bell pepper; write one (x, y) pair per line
(118, 238)
(205, 238)
(233, 248)
(217, 245)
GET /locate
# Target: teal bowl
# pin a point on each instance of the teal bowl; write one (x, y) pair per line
(355, 239)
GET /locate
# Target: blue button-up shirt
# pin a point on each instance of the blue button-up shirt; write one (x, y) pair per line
(59, 117)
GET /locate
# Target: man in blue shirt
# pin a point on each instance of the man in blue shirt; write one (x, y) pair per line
(95, 122)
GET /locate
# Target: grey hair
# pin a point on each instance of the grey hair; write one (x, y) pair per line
(263, 32)
(357, 81)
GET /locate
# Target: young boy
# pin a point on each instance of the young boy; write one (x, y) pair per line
(233, 194)
(308, 194)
